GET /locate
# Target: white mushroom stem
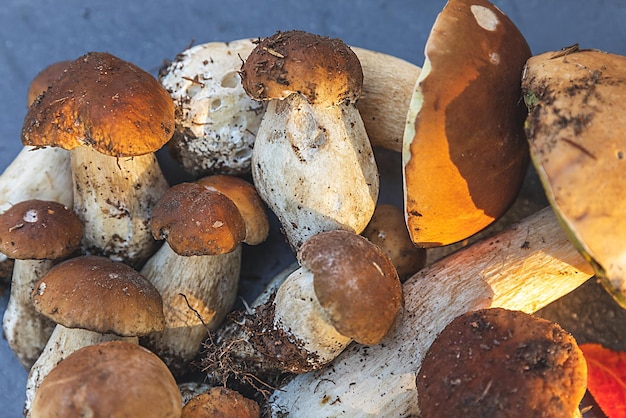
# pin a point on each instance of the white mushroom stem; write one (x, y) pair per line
(194, 289)
(523, 268)
(314, 167)
(26, 330)
(388, 84)
(63, 342)
(114, 198)
(43, 174)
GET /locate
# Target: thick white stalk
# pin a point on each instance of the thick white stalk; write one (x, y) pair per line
(114, 198)
(192, 288)
(63, 342)
(26, 330)
(524, 268)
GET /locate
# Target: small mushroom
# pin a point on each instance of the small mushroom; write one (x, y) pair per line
(35, 233)
(221, 402)
(109, 379)
(465, 154)
(92, 299)
(197, 269)
(216, 121)
(112, 116)
(502, 363)
(44, 79)
(312, 162)
(575, 131)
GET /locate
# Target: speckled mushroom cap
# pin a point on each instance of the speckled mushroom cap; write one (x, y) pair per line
(497, 362)
(465, 153)
(324, 70)
(101, 295)
(355, 283)
(44, 79)
(39, 230)
(103, 102)
(110, 379)
(248, 201)
(221, 402)
(197, 221)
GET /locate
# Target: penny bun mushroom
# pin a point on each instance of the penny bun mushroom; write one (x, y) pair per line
(499, 362)
(36, 234)
(312, 161)
(221, 402)
(104, 109)
(44, 79)
(216, 121)
(110, 379)
(465, 154)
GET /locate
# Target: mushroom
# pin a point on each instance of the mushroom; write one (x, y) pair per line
(44, 79)
(464, 153)
(216, 121)
(92, 299)
(221, 402)
(497, 362)
(312, 162)
(197, 269)
(575, 131)
(109, 379)
(387, 229)
(113, 116)
(524, 268)
(35, 233)
(345, 289)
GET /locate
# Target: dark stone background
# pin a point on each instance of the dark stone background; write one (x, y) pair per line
(36, 33)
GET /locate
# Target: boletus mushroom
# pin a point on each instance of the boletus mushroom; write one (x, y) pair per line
(575, 131)
(502, 363)
(112, 116)
(465, 154)
(312, 161)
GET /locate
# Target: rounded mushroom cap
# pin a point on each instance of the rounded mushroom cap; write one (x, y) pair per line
(39, 230)
(44, 79)
(103, 102)
(248, 201)
(197, 221)
(355, 283)
(324, 70)
(465, 153)
(221, 402)
(100, 295)
(497, 362)
(110, 379)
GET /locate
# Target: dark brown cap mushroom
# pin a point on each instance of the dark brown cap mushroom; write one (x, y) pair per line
(355, 283)
(247, 200)
(104, 102)
(465, 153)
(497, 362)
(197, 221)
(221, 402)
(110, 379)
(44, 79)
(322, 69)
(100, 295)
(39, 230)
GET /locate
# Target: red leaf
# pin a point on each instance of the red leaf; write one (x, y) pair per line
(606, 378)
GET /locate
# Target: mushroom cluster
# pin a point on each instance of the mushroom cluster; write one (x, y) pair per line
(130, 272)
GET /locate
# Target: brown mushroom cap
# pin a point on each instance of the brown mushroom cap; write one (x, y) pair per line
(197, 221)
(111, 379)
(248, 201)
(324, 70)
(497, 362)
(100, 295)
(39, 230)
(221, 402)
(104, 102)
(44, 79)
(355, 283)
(387, 229)
(465, 151)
